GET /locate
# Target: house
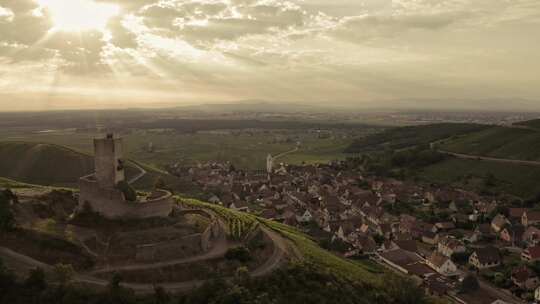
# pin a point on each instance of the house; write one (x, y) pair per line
(407, 245)
(448, 246)
(531, 236)
(436, 286)
(214, 200)
(239, 206)
(429, 237)
(445, 226)
(269, 214)
(530, 217)
(306, 217)
(442, 264)
(512, 234)
(537, 294)
(515, 214)
(524, 278)
(486, 257)
(366, 243)
(531, 254)
(498, 223)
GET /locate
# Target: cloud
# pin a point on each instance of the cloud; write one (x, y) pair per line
(310, 50)
(6, 15)
(372, 27)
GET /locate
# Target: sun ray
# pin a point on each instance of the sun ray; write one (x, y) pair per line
(79, 15)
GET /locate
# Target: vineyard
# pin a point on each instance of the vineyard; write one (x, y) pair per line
(239, 224)
(322, 258)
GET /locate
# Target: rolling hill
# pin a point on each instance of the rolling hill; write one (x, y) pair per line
(500, 142)
(55, 165)
(405, 137)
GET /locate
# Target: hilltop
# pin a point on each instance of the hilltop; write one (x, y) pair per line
(405, 137)
(501, 142)
(60, 166)
(295, 270)
(394, 149)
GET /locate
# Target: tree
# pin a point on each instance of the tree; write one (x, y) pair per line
(7, 220)
(239, 253)
(469, 284)
(63, 273)
(401, 290)
(129, 192)
(7, 279)
(115, 281)
(160, 295)
(36, 280)
(160, 183)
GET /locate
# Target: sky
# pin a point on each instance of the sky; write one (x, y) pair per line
(432, 54)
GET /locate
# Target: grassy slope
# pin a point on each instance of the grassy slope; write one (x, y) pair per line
(519, 180)
(535, 123)
(55, 165)
(43, 163)
(404, 137)
(499, 142)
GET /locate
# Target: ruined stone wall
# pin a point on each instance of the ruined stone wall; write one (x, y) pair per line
(157, 208)
(110, 202)
(178, 249)
(212, 232)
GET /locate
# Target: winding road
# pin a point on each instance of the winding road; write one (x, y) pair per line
(491, 159)
(276, 260)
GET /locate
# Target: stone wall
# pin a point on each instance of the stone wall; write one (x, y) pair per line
(178, 249)
(110, 202)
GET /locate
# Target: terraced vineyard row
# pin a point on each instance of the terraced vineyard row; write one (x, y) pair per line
(239, 224)
(318, 256)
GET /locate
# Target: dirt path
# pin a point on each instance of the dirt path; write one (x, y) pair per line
(285, 153)
(21, 262)
(218, 250)
(138, 176)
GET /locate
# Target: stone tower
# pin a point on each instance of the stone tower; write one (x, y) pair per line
(108, 163)
(269, 164)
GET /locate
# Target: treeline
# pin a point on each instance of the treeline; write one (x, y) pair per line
(297, 283)
(405, 137)
(193, 125)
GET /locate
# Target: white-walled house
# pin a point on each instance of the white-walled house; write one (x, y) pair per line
(442, 264)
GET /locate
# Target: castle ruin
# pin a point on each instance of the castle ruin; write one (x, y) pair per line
(101, 191)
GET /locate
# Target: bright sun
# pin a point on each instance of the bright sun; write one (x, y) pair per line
(79, 15)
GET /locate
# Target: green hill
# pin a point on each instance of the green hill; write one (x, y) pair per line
(535, 124)
(405, 137)
(55, 165)
(500, 142)
(43, 164)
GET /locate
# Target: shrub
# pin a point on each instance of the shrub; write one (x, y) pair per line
(128, 191)
(469, 284)
(7, 221)
(239, 253)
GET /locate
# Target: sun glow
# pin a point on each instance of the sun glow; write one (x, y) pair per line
(79, 15)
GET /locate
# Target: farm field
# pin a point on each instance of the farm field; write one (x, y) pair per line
(159, 148)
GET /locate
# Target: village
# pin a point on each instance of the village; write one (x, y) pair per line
(454, 243)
